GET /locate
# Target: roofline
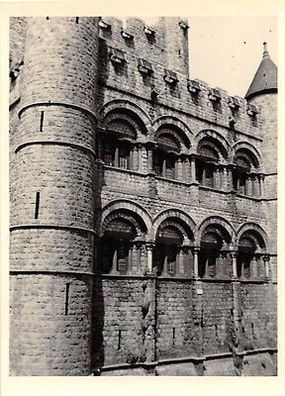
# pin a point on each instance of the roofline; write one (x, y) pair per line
(261, 92)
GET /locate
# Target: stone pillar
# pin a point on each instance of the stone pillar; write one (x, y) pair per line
(150, 147)
(234, 264)
(266, 266)
(193, 169)
(180, 169)
(215, 178)
(225, 177)
(181, 261)
(196, 253)
(135, 158)
(140, 157)
(255, 184)
(187, 170)
(116, 162)
(143, 258)
(149, 249)
(253, 267)
(261, 185)
(230, 178)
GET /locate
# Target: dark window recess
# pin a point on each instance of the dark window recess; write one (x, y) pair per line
(77, 20)
(119, 340)
(66, 299)
(104, 25)
(170, 77)
(127, 35)
(194, 86)
(233, 102)
(42, 120)
(149, 31)
(37, 205)
(117, 56)
(215, 95)
(173, 335)
(145, 66)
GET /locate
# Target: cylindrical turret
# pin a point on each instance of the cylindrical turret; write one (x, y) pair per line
(263, 93)
(52, 204)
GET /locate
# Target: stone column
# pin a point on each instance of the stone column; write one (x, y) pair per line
(253, 267)
(131, 258)
(116, 162)
(261, 185)
(140, 157)
(181, 261)
(193, 169)
(179, 169)
(135, 158)
(150, 147)
(215, 178)
(255, 185)
(196, 253)
(225, 177)
(149, 248)
(266, 266)
(143, 258)
(234, 264)
(230, 178)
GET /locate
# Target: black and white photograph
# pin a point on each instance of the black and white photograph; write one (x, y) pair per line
(143, 196)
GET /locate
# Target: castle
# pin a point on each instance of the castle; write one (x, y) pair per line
(143, 205)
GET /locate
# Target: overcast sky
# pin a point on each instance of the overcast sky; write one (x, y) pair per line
(225, 51)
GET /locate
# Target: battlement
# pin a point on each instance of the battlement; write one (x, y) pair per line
(152, 62)
(165, 42)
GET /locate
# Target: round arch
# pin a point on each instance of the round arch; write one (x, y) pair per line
(252, 227)
(209, 133)
(212, 221)
(131, 207)
(125, 106)
(180, 216)
(242, 145)
(168, 121)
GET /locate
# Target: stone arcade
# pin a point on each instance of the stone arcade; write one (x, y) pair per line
(143, 205)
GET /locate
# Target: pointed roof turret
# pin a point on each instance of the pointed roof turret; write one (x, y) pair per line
(265, 79)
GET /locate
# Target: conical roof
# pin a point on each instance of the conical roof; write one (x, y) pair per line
(265, 79)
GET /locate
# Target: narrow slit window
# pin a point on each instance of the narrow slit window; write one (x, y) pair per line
(77, 20)
(173, 335)
(119, 340)
(37, 205)
(66, 299)
(42, 121)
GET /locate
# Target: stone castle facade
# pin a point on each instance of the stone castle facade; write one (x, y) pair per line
(143, 205)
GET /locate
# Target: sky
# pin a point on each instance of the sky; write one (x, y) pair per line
(225, 52)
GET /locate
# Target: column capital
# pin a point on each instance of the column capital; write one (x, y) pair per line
(233, 254)
(266, 257)
(149, 245)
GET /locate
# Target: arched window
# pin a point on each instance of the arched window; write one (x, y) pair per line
(172, 253)
(250, 256)
(208, 171)
(121, 243)
(246, 180)
(164, 158)
(214, 258)
(117, 141)
(171, 143)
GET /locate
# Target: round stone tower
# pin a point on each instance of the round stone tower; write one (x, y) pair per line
(52, 204)
(263, 93)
